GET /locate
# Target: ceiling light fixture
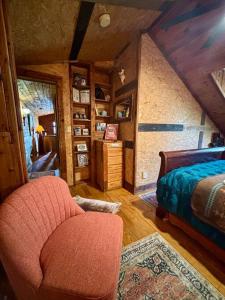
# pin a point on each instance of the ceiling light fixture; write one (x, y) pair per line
(104, 20)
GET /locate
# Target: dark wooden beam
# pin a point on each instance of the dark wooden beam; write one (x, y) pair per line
(144, 4)
(86, 9)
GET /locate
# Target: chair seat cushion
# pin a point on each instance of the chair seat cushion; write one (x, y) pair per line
(82, 257)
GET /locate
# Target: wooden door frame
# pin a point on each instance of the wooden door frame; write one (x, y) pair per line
(57, 80)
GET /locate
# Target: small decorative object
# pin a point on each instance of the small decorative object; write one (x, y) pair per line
(111, 132)
(104, 113)
(85, 96)
(217, 140)
(97, 111)
(104, 20)
(78, 79)
(107, 98)
(100, 126)
(81, 147)
(83, 116)
(82, 160)
(99, 94)
(76, 115)
(76, 95)
(77, 131)
(85, 131)
(122, 75)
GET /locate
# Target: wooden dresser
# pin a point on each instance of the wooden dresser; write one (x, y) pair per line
(109, 164)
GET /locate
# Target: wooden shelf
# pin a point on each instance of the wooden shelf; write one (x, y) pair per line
(102, 101)
(81, 104)
(103, 117)
(81, 136)
(83, 167)
(104, 85)
(81, 87)
(82, 120)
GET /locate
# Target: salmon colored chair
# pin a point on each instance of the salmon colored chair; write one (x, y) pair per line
(52, 250)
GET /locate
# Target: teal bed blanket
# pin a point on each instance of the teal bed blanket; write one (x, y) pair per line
(174, 191)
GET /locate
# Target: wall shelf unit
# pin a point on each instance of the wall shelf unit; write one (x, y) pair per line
(91, 94)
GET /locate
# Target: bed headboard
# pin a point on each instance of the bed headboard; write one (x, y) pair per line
(174, 159)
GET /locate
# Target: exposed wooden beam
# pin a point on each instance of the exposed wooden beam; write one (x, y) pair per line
(144, 4)
(86, 9)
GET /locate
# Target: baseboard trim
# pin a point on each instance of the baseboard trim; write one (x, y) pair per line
(128, 186)
(144, 187)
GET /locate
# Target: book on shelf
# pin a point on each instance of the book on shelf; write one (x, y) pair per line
(85, 96)
(76, 95)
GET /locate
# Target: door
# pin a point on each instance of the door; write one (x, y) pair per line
(12, 173)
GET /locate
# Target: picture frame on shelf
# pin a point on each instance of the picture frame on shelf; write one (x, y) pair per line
(76, 95)
(82, 160)
(77, 131)
(85, 96)
(111, 132)
(82, 147)
(85, 131)
(100, 127)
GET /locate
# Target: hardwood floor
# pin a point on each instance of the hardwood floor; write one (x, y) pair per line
(140, 221)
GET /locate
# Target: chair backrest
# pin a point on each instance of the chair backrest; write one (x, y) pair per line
(27, 218)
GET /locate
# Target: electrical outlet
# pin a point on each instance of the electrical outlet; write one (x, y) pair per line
(145, 175)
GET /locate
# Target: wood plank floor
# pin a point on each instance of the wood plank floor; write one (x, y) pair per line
(140, 221)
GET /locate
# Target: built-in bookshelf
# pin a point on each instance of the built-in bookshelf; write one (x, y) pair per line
(91, 99)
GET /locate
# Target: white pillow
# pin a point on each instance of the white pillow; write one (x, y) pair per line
(97, 205)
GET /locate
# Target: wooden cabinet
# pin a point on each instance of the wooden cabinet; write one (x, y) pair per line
(109, 164)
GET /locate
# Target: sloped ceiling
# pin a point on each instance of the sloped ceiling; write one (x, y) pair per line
(38, 97)
(192, 37)
(126, 22)
(42, 30)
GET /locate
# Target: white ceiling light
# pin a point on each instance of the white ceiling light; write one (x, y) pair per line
(104, 20)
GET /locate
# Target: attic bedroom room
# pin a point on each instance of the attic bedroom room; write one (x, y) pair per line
(112, 150)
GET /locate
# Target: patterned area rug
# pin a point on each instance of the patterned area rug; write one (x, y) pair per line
(152, 270)
(149, 198)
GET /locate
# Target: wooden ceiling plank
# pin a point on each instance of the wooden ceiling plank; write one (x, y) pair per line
(86, 9)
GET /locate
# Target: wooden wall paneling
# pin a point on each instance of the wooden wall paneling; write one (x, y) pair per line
(12, 164)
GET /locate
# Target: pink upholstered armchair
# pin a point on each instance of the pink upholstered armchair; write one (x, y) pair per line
(52, 249)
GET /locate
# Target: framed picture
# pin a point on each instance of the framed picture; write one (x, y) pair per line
(76, 95)
(81, 147)
(77, 131)
(111, 132)
(100, 126)
(85, 96)
(85, 131)
(82, 160)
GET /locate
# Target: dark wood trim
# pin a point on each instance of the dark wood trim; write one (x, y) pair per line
(122, 50)
(128, 186)
(126, 88)
(174, 159)
(129, 144)
(145, 187)
(148, 127)
(180, 75)
(86, 9)
(203, 118)
(57, 80)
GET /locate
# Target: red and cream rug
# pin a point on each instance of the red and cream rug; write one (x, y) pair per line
(152, 270)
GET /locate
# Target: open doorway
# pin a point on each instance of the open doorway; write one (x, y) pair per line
(39, 120)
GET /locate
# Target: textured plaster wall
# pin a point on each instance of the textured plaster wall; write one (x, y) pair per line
(164, 99)
(62, 70)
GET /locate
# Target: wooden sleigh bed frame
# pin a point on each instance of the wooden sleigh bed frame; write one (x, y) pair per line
(175, 159)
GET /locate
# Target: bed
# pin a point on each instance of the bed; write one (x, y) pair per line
(181, 174)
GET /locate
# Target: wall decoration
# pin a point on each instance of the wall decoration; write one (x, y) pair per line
(85, 131)
(100, 126)
(82, 147)
(77, 131)
(122, 75)
(78, 79)
(76, 95)
(111, 132)
(85, 96)
(82, 160)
